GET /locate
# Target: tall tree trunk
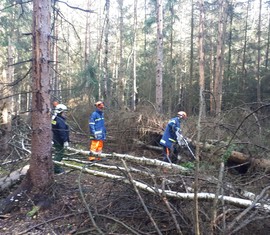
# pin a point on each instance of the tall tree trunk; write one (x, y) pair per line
(121, 82)
(244, 71)
(106, 46)
(55, 59)
(159, 72)
(212, 65)
(40, 174)
(135, 91)
(230, 41)
(101, 65)
(86, 51)
(220, 56)
(258, 76)
(267, 44)
(202, 61)
(172, 84)
(201, 111)
(189, 102)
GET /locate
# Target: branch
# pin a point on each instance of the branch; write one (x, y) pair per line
(76, 8)
(140, 197)
(189, 196)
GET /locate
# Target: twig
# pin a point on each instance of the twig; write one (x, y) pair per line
(47, 221)
(141, 199)
(241, 215)
(87, 207)
(120, 222)
(165, 200)
(214, 210)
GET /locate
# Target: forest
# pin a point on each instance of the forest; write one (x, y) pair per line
(146, 60)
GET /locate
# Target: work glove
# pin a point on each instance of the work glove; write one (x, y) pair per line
(177, 129)
(181, 139)
(66, 144)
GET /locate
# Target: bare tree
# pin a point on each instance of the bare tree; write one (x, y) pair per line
(40, 174)
(219, 73)
(159, 72)
(189, 105)
(202, 60)
(201, 114)
(258, 76)
(243, 69)
(121, 80)
(135, 91)
(105, 62)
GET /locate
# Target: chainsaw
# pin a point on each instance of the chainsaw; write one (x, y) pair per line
(182, 141)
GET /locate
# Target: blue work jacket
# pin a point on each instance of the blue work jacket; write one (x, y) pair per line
(97, 125)
(60, 130)
(169, 137)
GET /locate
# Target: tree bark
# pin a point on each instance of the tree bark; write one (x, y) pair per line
(159, 71)
(258, 75)
(220, 56)
(106, 52)
(134, 90)
(41, 168)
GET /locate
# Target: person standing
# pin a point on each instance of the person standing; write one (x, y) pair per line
(60, 135)
(169, 138)
(97, 130)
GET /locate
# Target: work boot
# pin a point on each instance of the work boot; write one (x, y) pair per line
(59, 171)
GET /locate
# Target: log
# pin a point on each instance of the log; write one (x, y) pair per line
(139, 160)
(255, 163)
(235, 156)
(13, 177)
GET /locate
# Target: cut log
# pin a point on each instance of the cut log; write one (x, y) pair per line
(241, 158)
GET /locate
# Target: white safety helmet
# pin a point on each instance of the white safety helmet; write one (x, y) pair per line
(60, 108)
(182, 114)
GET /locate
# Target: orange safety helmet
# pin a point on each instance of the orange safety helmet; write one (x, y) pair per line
(99, 104)
(182, 114)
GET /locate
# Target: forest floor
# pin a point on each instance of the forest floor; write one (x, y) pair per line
(80, 203)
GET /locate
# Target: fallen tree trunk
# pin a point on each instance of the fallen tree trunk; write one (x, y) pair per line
(189, 196)
(235, 156)
(256, 163)
(139, 160)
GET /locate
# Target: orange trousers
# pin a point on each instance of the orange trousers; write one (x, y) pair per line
(96, 146)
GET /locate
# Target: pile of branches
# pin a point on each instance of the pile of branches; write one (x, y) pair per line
(150, 196)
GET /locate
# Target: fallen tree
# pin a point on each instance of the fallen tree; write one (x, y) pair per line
(139, 160)
(235, 157)
(168, 193)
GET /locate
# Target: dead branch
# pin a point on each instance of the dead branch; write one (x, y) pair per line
(174, 194)
(141, 199)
